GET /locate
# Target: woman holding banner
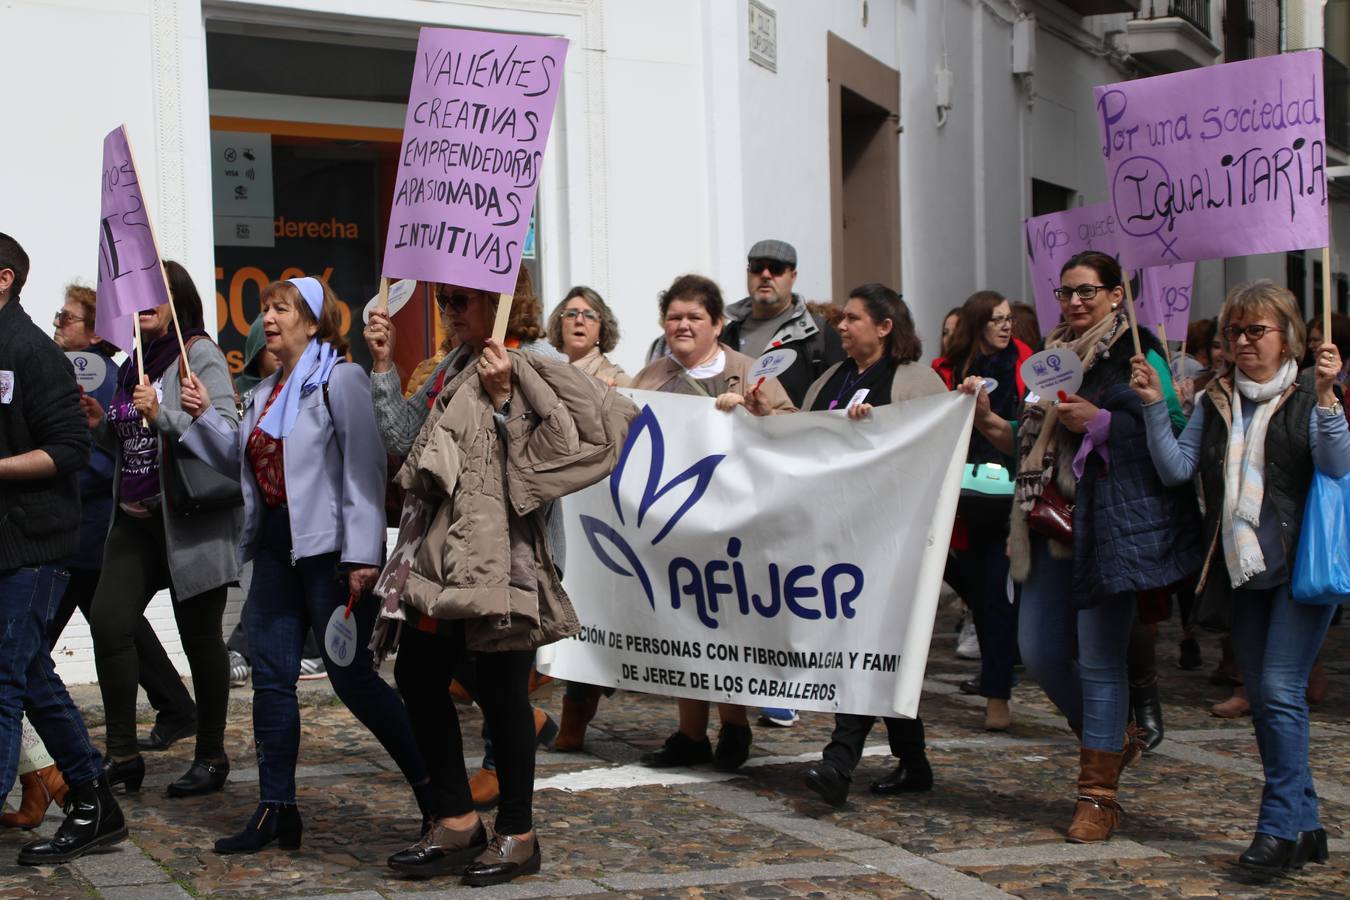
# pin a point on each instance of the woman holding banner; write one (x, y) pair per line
(883, 349)
(983, 345)
(1092, 525)
(700, 365)
(1257, 436)
(151, 546)
(307, 449)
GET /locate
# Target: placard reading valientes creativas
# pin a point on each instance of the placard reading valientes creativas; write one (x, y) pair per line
(1226, 160)
(478, 119)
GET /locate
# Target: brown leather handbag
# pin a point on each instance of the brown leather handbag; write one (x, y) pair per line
(1051, 515)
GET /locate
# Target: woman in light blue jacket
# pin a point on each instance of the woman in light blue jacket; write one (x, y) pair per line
(311, 464)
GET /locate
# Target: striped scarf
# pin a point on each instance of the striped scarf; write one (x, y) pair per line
(1245, 472)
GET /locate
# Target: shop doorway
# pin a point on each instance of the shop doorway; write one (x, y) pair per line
(864, 168)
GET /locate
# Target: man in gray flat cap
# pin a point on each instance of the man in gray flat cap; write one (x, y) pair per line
(772, 316)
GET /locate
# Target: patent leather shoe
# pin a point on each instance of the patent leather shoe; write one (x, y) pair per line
(278, 822)
(828, 782)
(204, 776)
(1146, 707)
(93, 820)
(1310, 846)
(1268, 854)
(128, 772)
(905, 780)
(507, 856)
(441, 851)
(678, 750)
(165, 734)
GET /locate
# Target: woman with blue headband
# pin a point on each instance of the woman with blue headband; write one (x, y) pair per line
(312, 468)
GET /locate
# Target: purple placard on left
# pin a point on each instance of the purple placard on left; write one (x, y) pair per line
(1226, 160)
(478, 118)
(129, 273)
(1052, 239)
(1165, 299)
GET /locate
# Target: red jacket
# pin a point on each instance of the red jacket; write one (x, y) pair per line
(946, 369)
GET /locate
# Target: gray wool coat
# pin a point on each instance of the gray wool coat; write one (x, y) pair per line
(201, 548)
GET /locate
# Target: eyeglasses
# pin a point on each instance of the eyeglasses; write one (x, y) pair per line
(1083, 292)
(63, 318)
(999, 320)
(1254, 333)
(589, 315)
(776, 267)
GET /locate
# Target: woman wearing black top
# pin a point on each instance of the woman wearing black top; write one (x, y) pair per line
(878, 335)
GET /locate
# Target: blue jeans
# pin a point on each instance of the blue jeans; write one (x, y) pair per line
(29, 597)
(1077, 656)
(285, 600)
(1276, 640)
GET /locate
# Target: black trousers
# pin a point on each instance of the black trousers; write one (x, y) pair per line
(134, 568)
(157, 675)
(426, 664)
(850, 733)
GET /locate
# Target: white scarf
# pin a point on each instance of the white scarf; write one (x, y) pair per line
(1245, 471)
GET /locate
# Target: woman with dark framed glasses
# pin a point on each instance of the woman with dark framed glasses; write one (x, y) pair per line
(1092, 525)
(1257, 435)
(583, 328)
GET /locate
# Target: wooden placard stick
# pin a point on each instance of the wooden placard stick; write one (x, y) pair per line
(140, 355)
(383, 303)
(1129, 311)
(154, 239)
(503, 316)
(1326, 292)
(1167, 349)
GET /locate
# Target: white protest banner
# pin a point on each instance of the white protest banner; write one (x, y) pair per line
(779, 561)
(1225, 160)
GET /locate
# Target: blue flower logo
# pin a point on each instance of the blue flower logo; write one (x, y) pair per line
(610, 547)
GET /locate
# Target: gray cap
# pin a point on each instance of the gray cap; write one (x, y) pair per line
(779, 250)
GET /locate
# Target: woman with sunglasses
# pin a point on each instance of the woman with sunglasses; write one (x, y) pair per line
(983, 345)
(584, 329)
(1092, 525)
(1256, 438)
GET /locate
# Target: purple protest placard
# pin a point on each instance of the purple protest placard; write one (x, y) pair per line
(1221, 161)
(130, 277)
(1164, 299)
(1052, 239)
(478, 118)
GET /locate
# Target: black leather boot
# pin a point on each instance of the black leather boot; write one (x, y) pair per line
(1146, 709)
(128, 772)
(94, 820)
(204, 776)
(1268, 854)
(278, 822)
(733, 747)
(1310, 846)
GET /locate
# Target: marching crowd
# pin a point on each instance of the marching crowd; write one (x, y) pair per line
(1153, 480)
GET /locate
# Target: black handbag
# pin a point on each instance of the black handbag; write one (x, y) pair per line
(192, 487)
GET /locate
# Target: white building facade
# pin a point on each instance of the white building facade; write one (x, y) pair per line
(893, 140)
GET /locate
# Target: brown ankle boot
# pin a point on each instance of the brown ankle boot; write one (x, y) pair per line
(576, 715)
(1097, 813)
(40, 788)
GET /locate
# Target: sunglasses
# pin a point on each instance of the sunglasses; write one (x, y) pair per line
(1254, 333)
(589, 315)
(776, 267)
(458, 301)
(63, 318)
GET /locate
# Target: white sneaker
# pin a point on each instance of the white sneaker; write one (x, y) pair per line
(312, 668)
(239, 669)
(968, 644)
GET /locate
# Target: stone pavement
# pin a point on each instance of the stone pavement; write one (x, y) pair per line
(993, 826)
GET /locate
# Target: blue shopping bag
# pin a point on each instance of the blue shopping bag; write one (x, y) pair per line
(1322, 565)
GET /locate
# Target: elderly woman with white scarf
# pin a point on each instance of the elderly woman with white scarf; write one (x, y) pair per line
(312, 467)
(1255, 438)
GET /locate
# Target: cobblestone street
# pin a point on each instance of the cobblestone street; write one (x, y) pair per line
(992, 827)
